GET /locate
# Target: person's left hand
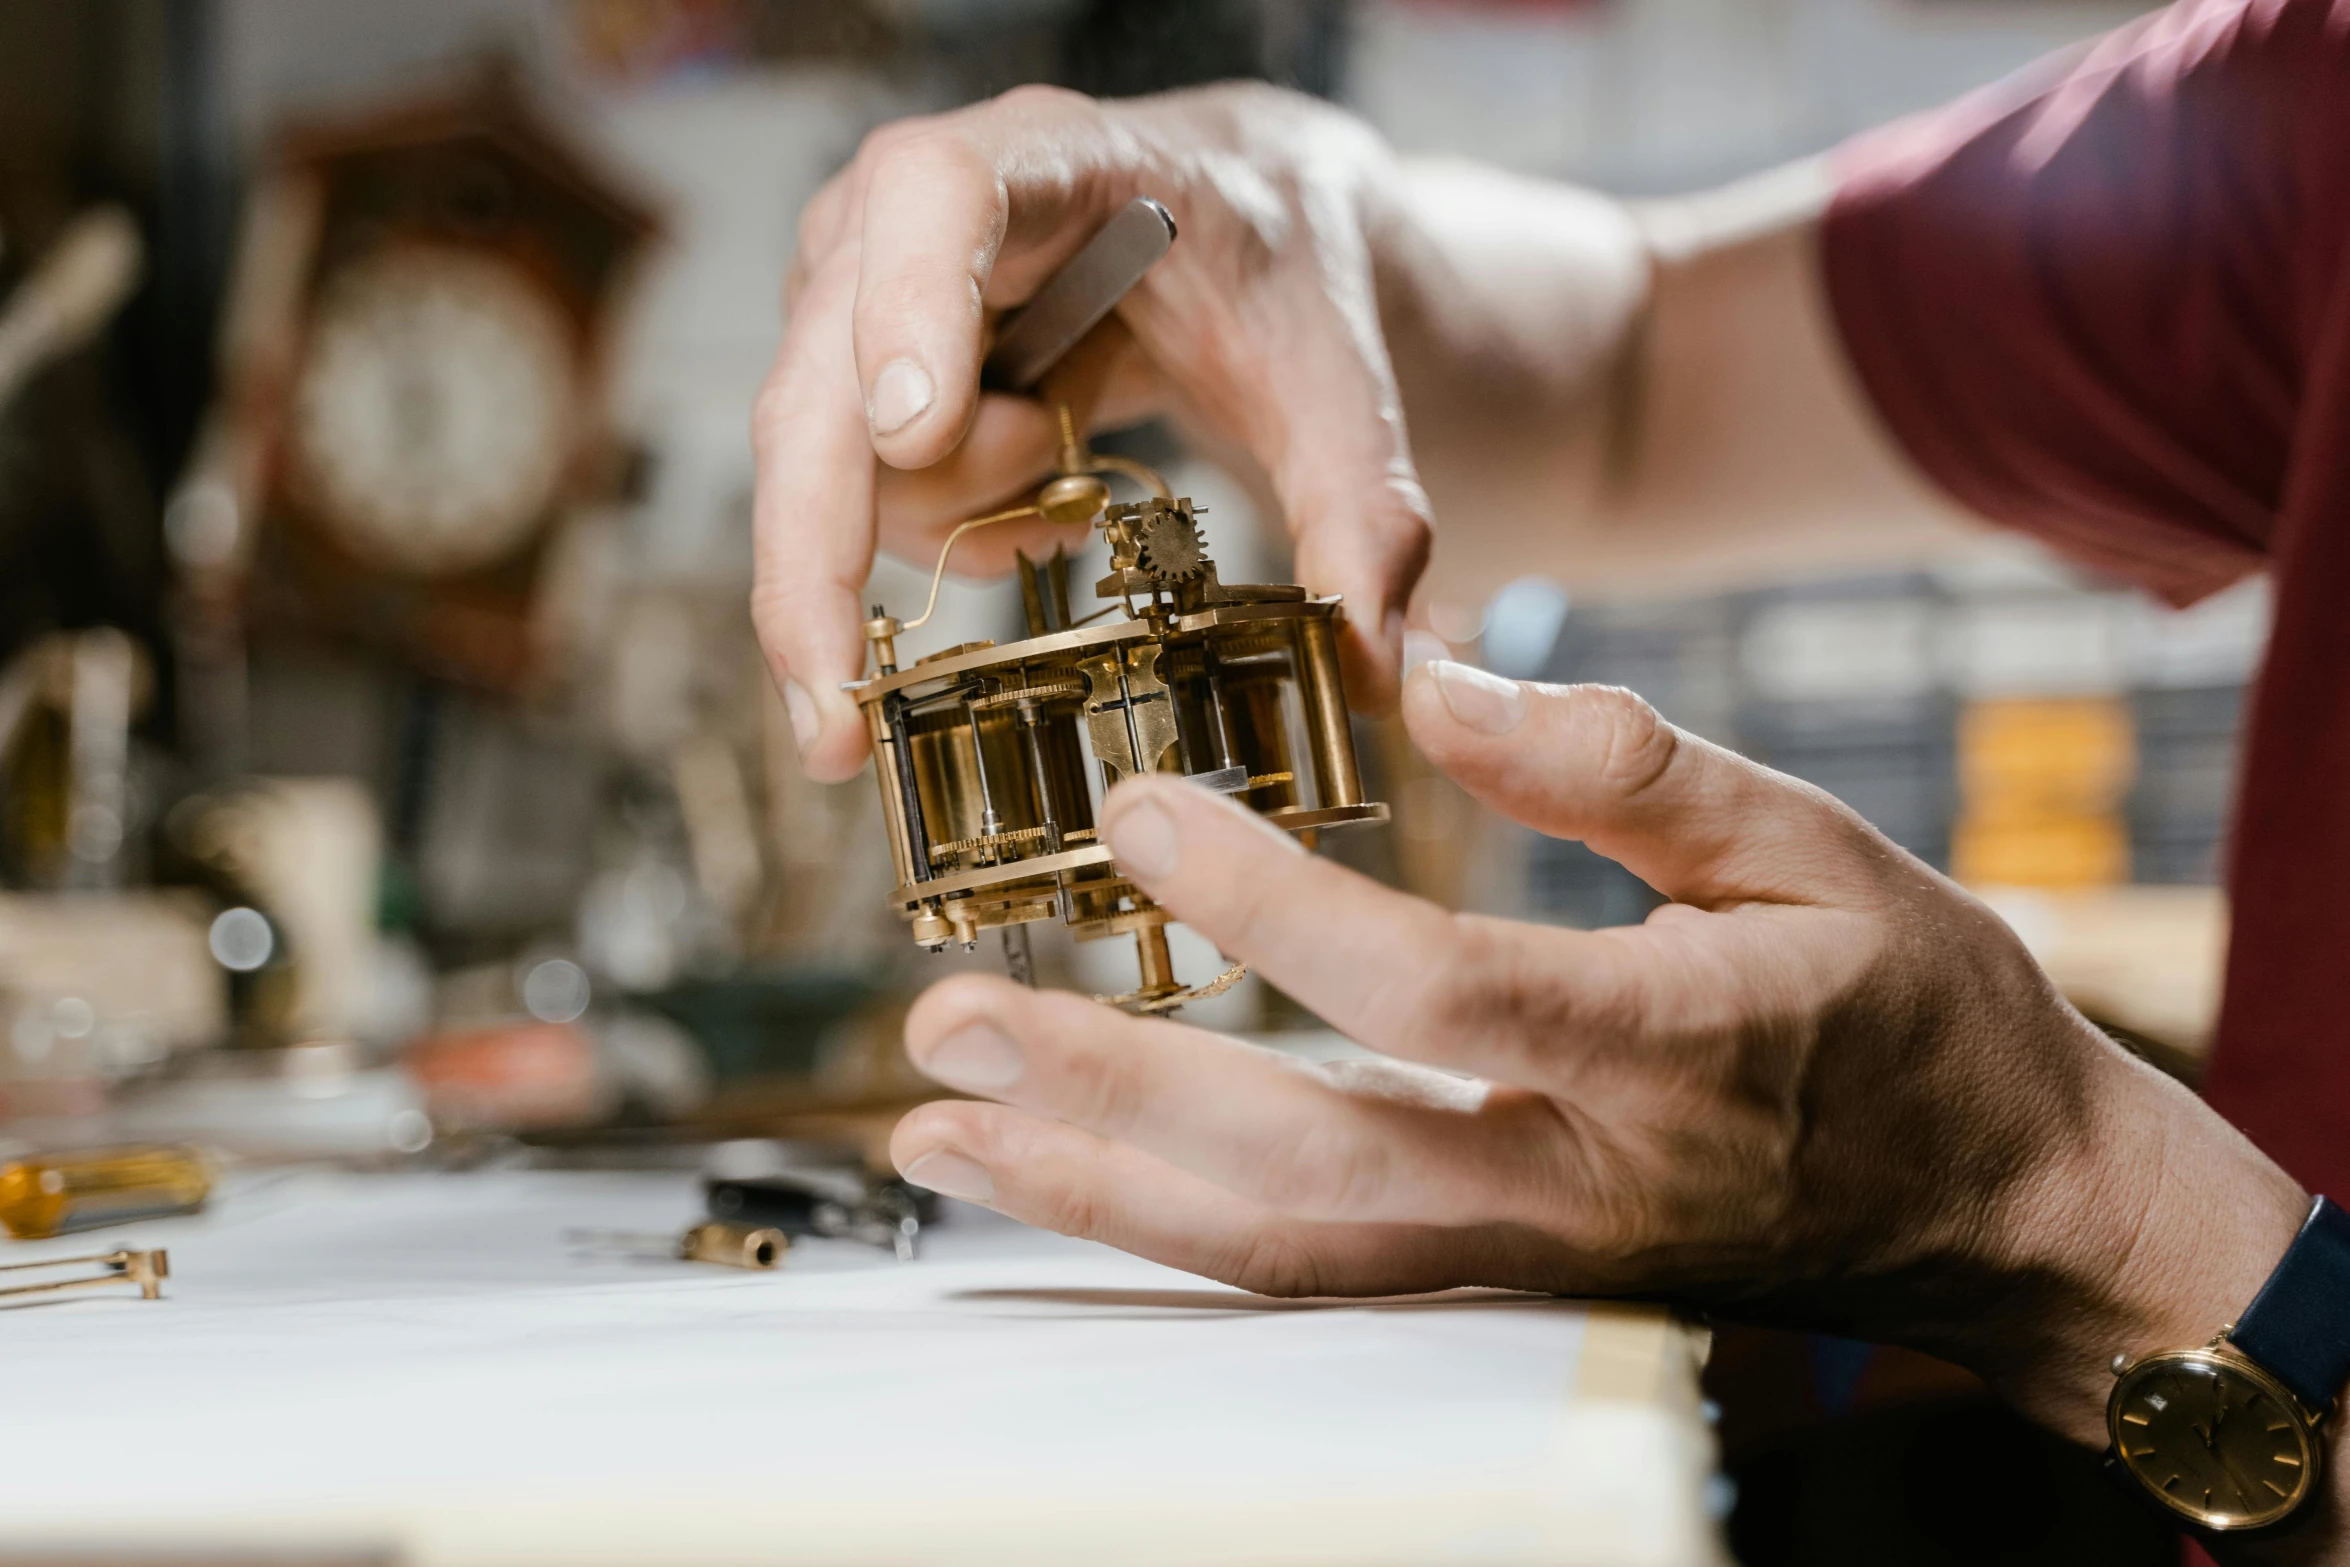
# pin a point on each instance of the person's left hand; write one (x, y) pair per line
(1823, 1086)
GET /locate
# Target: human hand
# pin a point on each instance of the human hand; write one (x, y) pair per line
(1822, 1087)
(1261, 327)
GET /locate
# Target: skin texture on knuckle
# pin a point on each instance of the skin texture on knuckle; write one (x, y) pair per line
(1335, 1168)
(930, 156)
(820, 234)
(1042, 1175)
(1934, 1090)
(795, 647)
(771, 623)
(941, 168)
(1070, 1208)
(768, 411)
(1039, 103)
(1271, 1260)
(1483, 988)
(1634, 745)
(1452, 992)
(1101, 1084)
(926, 1128)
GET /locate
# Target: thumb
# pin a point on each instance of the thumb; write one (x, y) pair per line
(1700, 824)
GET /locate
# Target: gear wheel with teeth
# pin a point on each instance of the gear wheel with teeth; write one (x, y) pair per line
(1169, 545)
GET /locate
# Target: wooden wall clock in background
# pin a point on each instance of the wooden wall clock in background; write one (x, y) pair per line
(414, 368)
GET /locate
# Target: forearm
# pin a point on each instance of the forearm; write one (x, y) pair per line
(1635, 397)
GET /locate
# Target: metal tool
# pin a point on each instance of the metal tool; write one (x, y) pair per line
(1073, 302)
(992, 761)
(887, 1216)
(50, 1194)
(146, 1269)
(728, 1245)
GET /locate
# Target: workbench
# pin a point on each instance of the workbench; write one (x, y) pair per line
(419, 1368)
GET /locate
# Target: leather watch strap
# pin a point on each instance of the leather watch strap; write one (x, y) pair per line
(2298, 1326)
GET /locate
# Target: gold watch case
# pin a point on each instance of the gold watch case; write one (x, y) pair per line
(2213, 1436)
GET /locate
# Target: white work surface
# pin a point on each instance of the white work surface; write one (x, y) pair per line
(419, 1369)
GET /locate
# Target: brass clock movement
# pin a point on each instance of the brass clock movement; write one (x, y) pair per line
(992, 760)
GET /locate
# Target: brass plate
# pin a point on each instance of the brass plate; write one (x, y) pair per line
(1241, 614)
(1043, 866)
(1034, 650)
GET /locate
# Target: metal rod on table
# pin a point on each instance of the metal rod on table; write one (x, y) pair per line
(146, 1269)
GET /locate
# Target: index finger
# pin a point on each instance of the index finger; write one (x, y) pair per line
(946, 204)
(812, 530)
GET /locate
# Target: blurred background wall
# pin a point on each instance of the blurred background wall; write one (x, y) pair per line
(420, 794)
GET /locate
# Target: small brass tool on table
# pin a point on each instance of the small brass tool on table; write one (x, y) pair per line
(146, 1269)
(754, 1246)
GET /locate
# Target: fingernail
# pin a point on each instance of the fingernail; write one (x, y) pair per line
(1486, 703)
(900, 393)
(800, 708)
(1143, 838)
(951, 1174)
(1422, 647)
(978, 1057)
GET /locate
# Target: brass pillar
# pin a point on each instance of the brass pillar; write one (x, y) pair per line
(1339, 780)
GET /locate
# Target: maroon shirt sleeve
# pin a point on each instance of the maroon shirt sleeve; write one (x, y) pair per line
(2109, 303)
(2086, 300)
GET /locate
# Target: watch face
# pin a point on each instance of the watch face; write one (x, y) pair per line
(433, 413)
(2213, 1437)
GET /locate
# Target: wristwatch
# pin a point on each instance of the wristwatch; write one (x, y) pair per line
(2227, 1435)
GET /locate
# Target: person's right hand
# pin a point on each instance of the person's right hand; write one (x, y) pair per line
(1261, 327)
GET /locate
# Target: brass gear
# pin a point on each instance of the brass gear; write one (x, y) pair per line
(1168, 545)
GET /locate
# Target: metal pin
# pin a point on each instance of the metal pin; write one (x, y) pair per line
(1017, 961)
(146, 1269)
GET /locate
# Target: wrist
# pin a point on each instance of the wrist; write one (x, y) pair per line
(2159, 1228)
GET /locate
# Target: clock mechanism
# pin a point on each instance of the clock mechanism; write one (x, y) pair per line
(992, 760)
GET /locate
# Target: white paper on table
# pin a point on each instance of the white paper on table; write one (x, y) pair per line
(420, 1369)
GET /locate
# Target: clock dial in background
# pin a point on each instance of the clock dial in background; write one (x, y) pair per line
(435, 410)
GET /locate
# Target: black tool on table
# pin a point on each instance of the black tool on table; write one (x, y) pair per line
(886, 1213)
